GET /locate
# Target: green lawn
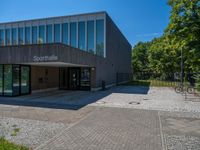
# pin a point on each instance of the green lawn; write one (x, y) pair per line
(6, 145)
(155, 83)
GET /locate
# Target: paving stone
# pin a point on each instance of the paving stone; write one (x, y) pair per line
(111, 129)
(66, 116)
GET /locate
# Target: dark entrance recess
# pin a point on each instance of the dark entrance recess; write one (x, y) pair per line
(14, 80)
(74, 78)
(63, 79)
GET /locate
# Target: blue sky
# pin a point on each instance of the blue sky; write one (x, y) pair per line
(139, 20)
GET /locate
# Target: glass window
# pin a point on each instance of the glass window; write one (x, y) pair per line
(85, 78)
(90, 36)
(57, 33)
(8, 38)
(65, 33)
(21, 35)
(100, 37)
(49, 34)
(14, 36)
(41, 34)
(34, 35)
(7, 80)
(73, 33)
(25, 79)
(2, 33)
(1, 79)
(16, 80)
(81, 35)
(27, 35)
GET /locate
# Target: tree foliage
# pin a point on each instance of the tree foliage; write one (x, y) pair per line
(163, 54)
(140, 57)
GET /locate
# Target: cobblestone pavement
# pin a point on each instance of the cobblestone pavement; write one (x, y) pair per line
(36, 125)
(181, 131)
(66, 116)
(152, 98)
(123, 117)
(111, 129)
(30, 133)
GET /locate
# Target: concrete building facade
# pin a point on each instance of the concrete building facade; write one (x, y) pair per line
(79, 52)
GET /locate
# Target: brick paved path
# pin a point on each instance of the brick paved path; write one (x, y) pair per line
(111, 129)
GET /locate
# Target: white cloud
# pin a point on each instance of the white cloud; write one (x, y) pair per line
(149, 34)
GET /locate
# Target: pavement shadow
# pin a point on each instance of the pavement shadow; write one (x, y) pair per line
(72, 100)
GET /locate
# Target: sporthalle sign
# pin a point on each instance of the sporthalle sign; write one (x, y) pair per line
(45, 58)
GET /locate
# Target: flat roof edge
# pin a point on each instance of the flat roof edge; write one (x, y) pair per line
(55, 17)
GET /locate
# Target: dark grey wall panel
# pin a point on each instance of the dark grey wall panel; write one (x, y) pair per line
(118, 55)
(25, 54)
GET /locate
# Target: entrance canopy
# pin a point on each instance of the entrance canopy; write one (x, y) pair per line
(54, 64)
(48, 55)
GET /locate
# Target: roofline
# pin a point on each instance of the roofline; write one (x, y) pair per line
(108, 17)
(56, 17)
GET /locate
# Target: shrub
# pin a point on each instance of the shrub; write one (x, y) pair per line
(198, 82)
(6, 145)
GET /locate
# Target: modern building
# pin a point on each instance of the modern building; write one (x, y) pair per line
(79, 52)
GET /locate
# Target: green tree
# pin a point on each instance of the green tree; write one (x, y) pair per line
(184, 31)
(163, 55)
(198, 82)
(162, 58)
(140, 57)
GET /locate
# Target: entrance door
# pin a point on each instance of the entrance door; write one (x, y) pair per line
(25, 80)
(64, 78)
(74, 78)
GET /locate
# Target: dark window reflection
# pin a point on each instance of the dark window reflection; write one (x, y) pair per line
(25, 70)
(27, 35)
(14, 36)
(81, 35)
(73, 34)
(65, 33)
(85, 78)
(41, 38)
(8, 38)
(8, 80)
(57, 33)
(34, 35)
(49, 34)
(90, 36)
(21, 36)
(100, 37)
(1, 79)
(16, 80)
(2, 38)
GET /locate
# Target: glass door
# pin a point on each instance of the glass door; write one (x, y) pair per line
(7, 87)
(1, 79)
(85, 78)
(16, 80)
(64, 82)
(25, 80)
(74, 78)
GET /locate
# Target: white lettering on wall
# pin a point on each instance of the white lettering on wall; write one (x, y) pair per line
(45, 58)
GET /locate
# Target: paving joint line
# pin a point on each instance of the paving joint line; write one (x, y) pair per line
(163, 139)
(69, 127)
